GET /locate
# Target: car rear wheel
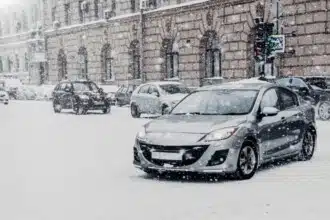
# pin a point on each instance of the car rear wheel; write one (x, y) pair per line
(308, 146)
(106, 110)
(135, 111)
(247, 162)
(324, 111)
(57, 107)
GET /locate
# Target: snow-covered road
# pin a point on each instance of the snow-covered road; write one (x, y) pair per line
(68, 167)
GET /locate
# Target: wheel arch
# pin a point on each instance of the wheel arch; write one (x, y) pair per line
(254, 141)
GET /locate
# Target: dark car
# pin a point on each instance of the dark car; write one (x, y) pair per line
(80, 96)
(318, 96)
(123, 95)
(230, 128)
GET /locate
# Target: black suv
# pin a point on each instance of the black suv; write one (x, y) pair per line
(80, 96)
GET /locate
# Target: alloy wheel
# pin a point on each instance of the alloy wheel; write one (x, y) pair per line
(308, 146)
(247, 160)
(324, 111)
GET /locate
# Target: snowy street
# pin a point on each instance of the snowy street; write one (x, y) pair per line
(69, 167)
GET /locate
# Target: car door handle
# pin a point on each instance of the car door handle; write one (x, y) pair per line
(282, 118)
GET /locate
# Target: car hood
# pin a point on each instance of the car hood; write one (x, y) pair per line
(187, 129)
(90, 94)
(3, 93)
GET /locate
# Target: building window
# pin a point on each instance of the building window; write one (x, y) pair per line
(9, 64)
(53, 14)
(1, 31)
(211, 55)
(83, 61)
(152, 4)
(133, 6)
(24, 21)
(16, 63)
(61, 64)
(134, 52)
(113, 5)
(67, 14)
(96, 9)
(107, 61)
(81, 13)
(26, 62)
(170, 53)
(1, 65)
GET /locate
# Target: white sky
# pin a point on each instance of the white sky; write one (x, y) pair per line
(9, 2)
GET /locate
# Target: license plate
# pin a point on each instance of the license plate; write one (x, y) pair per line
(166, 156)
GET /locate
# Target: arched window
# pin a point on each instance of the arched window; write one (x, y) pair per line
(134, 52)
(25, 21)
(10, 63)
(96, 9)
(61, 64)
(171, 55)
(16, 63)
(26, 62)
(106, 61)
(83, 61)
(210, 55)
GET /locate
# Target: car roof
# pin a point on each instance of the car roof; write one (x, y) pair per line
(248, 84)
(162, 83)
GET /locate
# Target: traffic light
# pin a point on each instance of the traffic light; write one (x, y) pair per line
(262, 32)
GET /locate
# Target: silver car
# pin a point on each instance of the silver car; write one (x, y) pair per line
(230, 128)
(156, 97)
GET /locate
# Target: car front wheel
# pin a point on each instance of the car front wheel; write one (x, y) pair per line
(80, 110)
(308, 146)
(57, 107)
(106, 110)
(135, 111)
(247, 162)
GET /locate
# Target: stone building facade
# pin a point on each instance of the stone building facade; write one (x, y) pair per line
(194, 41)
(22, 52)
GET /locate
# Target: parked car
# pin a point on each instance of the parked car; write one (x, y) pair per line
(319, 97)
(231, 128)
(123, 95)
(155, 97)
(80, 96)
(4, 96)
(11, 85)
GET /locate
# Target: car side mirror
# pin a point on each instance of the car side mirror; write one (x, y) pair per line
(167, 110)
(303, 91)
(269, 111)
(155, 94)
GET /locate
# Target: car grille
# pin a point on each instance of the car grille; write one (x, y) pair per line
(191, 153)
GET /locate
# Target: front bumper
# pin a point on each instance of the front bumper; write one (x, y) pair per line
(216, 157)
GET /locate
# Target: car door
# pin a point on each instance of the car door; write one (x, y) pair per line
(67, 95)
(270, 128)
(154, 100)
(293, 121)
(141, 99)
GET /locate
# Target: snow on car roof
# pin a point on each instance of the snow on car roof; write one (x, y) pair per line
(164, 83)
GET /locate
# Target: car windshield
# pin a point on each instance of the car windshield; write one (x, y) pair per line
(85, 86)
(217, 102)
(174, 88)
(293, 82)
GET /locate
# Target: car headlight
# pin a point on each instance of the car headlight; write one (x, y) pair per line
(220, 134)
(141, 134)
(84, 97)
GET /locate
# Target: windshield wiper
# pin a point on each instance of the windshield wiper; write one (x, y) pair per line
(188, 113)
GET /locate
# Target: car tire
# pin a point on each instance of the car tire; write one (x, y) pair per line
(163, 109)
(323, 111)
(57, 107)
(308, 146)
(80, 110)
(135, 111)
(247, 162)
(106, 110)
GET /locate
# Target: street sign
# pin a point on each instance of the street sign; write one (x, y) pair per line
(276, 44)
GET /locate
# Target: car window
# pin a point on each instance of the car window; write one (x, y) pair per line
(63, 86)
(270, 99)
(130, 89)
(94, 87)
(81, 87)
(288, 99)
(120, 89)
(153, 89)
(144, 89)
(174, 88)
